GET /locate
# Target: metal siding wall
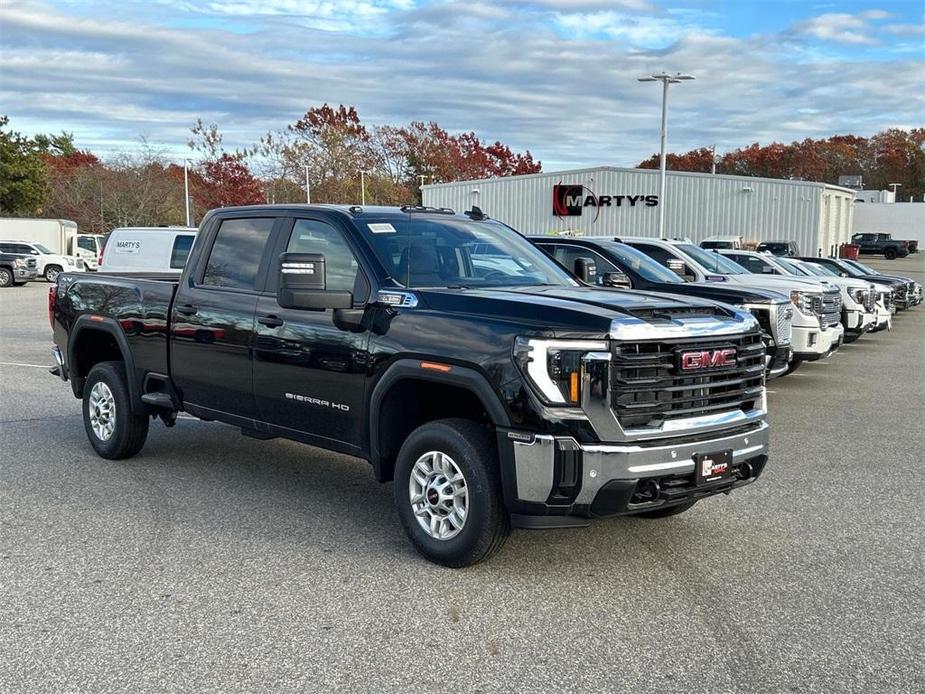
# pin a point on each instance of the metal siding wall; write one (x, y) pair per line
(699, 205)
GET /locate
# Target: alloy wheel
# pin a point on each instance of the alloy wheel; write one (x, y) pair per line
(439, 495)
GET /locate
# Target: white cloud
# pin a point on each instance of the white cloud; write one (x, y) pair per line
(504, 71)
(838, 26)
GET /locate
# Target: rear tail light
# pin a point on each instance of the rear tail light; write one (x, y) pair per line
(99, 259)
(52, 300)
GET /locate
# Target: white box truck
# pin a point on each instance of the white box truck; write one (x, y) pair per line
(60, 236)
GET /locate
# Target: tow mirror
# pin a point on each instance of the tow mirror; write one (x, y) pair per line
(680, 268)
(767, 269)
(616, 279)
(586, 270)
(302, 284)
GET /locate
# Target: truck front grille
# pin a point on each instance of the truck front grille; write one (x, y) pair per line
(870, 300)
(828, 309)
(784, 324)
(30, 263)
(649, 387)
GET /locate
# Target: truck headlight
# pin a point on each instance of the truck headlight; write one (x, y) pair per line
(20, 262)
(553, 367)
(803, 301)
(857, 294)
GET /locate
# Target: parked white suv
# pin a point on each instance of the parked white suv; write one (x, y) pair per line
(817, 330)
(49, 265)
(859, 298)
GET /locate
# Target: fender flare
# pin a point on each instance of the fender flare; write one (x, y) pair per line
(459, 376)
(85, 323)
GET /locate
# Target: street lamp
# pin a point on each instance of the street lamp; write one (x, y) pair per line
(308, 193)
(186, 163)
(665, 79)
(363, 186)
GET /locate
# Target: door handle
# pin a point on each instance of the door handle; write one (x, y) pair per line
(187, 309)
(270, 321)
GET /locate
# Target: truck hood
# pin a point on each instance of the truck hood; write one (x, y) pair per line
(729, 293)
(780, 283)
(565, 309)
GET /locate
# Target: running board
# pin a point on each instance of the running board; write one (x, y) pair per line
(161, 400)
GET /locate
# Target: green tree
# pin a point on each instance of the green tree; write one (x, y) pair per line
(23, 183)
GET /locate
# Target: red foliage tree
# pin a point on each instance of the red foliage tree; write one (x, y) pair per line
(224, 182)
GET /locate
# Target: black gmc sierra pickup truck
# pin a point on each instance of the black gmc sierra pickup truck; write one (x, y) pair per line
(445, 349)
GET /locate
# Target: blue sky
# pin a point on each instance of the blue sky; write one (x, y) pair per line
(555, 76)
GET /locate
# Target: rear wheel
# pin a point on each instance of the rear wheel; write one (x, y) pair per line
(666, 511)
(52, 272)
(448, 492)
(890, 254)
(113, 430)
(6, 277)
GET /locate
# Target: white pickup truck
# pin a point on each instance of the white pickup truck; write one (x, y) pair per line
(817, 330)
(859, 297)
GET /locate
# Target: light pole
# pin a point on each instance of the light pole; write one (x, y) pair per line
(665, 79)
(308, 193)
(363, 186)
(186, 188)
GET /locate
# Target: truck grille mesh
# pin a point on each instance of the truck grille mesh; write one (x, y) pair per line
(828, 308)
(648, 386)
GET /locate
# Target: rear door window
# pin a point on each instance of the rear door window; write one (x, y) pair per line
(234, 259)
(180, 251)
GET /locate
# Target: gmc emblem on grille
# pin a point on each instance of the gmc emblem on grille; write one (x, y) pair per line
(708, 359)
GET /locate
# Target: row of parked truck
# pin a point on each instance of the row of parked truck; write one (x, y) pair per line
(500, 380)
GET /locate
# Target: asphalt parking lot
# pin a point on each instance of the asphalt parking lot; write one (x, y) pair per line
(215, 563)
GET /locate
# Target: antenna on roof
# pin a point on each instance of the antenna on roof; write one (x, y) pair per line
(476, 213)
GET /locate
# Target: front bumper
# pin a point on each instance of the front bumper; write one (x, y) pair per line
(24, 274)
(777, 360)
(812, 344)
(558, 476)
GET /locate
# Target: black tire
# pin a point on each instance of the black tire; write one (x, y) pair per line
(473, 450)
(19, 284)
(6, 277)
(890, 254)
(129, 430)
(666, 511)
(52, 271)
(848, 338)
(793, 366)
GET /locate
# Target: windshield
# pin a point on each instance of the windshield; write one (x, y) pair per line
(791, 267)
(643, 265)
(820, 270)
(860, 266)
(428, 252)
(714, 262)
(42, 249)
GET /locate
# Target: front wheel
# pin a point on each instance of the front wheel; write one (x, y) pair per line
(52, 272)
(890, 254)
(448, 492)
(793, 365)
(6, 277)
(113, 430)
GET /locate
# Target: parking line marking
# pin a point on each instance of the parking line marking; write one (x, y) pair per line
(34, 366)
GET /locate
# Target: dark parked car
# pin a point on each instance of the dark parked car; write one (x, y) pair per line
(16, 269)
(782, 248)
(443, 348)
(884, 244)
(619, 265)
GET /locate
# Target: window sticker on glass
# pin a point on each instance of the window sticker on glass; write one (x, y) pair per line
(382, 228)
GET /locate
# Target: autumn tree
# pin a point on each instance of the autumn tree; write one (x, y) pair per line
(891, 156)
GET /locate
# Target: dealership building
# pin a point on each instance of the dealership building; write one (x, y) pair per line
(609, 201)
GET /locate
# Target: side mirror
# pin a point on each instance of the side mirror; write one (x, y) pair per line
(586, 270)
(616, 279)
(767, 270)
(302, 284)
(680, 268)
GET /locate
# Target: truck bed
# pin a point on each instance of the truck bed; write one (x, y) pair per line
(138, 303)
